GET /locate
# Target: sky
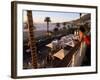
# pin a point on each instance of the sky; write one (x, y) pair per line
(39, 16)
(55, 17)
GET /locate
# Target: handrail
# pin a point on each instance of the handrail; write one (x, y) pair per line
(67, 59)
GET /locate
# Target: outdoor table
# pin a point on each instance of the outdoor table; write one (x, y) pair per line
(50, 45)
(64, 56)
(61, 54)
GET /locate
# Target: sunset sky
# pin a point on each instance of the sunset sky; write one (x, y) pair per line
(39, 16)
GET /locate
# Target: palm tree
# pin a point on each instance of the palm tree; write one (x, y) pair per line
(32, 39)
(80, 15)
(58, 25)
(64, 24)
(56, 29)
(68, 26)
(64, 29)
(47, 19)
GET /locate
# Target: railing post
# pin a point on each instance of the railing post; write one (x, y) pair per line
(80, 52)
(73, 60)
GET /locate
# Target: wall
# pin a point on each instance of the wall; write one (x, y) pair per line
(5, 40)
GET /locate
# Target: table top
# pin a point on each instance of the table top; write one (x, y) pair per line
(61, 54)
(49, 45)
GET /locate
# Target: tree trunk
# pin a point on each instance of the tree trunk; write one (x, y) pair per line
(32, 39)
(47, 27)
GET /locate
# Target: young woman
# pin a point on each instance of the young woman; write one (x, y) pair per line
(85, 45)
